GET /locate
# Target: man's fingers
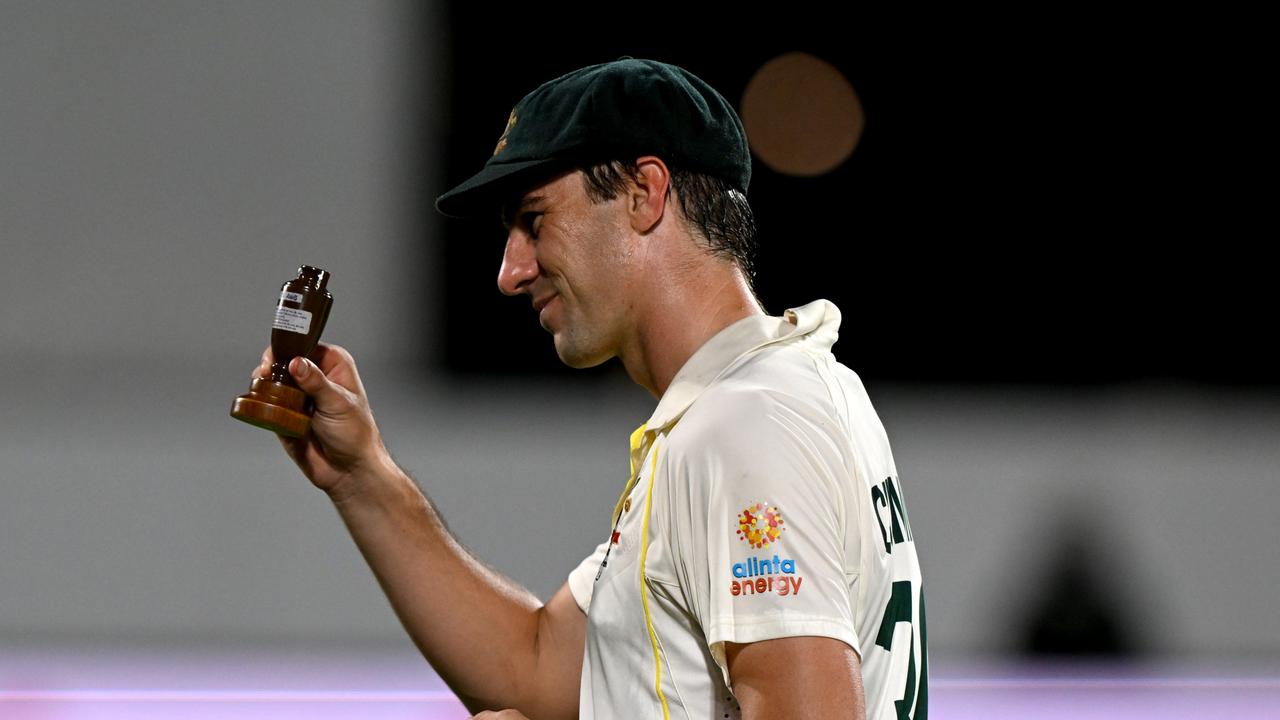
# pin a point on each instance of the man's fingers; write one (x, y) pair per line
(338, 365)
(308, 376)
(333, 371)
(329, 357)
(264, 365)
(327, 394)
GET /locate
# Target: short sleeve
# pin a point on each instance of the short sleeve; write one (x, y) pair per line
(582, 579)
(758, 531)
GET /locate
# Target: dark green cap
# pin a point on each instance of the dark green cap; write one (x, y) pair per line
(614, 111)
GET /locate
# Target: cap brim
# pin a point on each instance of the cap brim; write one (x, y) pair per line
(485, 191)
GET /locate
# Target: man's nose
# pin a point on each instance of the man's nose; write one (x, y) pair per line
(519, 264)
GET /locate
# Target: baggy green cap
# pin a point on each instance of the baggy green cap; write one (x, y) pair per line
(614, 111)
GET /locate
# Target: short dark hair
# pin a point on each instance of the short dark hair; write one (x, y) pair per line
(715, 209)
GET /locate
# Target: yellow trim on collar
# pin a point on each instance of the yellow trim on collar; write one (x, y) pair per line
(637, 444)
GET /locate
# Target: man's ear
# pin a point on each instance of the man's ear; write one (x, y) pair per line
(648, 193)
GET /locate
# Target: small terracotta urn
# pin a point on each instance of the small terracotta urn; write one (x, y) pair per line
(274, 402)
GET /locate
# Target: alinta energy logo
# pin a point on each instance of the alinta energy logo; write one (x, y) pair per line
(760, 526)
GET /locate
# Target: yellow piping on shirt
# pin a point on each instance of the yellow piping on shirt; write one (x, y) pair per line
(637, 437)
(644, 594)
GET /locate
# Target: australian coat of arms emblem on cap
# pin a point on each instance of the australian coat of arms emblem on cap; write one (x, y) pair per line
(502, 141)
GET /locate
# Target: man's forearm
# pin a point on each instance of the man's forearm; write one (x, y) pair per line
(480, 635)
(491, 640)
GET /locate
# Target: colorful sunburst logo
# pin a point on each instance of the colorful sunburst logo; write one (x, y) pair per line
(760, 525)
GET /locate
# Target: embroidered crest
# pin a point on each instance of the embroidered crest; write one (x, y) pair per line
(502, 141)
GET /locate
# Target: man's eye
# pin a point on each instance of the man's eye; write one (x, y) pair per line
(532, 221)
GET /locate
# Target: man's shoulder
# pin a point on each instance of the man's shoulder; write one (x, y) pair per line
(729, 408)
(785, 373)
(745, 408)
(746, 438)
(783, 402)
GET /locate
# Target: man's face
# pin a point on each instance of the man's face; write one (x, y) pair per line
(572, 257)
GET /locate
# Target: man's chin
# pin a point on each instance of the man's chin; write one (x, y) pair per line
(578, 358)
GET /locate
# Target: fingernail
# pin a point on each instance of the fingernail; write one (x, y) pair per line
(302, 368)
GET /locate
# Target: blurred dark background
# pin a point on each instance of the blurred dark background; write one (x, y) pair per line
(1023, 205)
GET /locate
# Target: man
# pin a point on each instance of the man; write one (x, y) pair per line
(761, 563)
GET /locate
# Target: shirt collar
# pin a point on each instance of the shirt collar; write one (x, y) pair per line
(817, 323)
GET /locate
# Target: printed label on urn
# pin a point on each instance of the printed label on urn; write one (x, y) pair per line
(298, 321)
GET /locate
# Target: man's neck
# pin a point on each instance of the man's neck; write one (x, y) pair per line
(681, 319)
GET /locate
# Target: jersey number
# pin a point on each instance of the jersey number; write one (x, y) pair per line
(897, 611)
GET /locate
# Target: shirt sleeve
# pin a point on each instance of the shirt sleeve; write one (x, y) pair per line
(758, 529)
(583, 578)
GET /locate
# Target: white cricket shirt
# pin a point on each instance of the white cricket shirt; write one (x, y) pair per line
(763, 503)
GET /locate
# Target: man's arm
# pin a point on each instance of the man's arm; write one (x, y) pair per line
(796, 677)
(491, 640)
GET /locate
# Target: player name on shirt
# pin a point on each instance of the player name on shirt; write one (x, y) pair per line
(886, 499)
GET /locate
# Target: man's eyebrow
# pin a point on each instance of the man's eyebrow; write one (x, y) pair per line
(509, 213)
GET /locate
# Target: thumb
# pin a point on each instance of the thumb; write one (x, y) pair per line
(327, 394)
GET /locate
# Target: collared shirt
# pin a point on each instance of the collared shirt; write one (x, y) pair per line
(763, 503)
